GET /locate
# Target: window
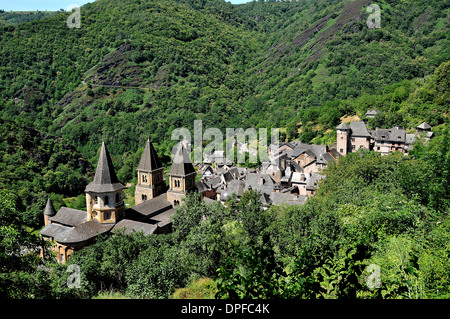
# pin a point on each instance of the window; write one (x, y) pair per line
(341, 150)
(176, 202)
(353, 147)
(144, 178)
(106, 201)
(353, 139)
(62, 257)
(107, 215)
(96, 200)
(117, 198)
(176, 183)
(144, 197)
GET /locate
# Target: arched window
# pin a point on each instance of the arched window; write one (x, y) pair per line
(176, 202)
(106, 201)
(144, 197)
(96, 200)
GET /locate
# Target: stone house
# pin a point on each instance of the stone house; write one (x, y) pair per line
(350, 138)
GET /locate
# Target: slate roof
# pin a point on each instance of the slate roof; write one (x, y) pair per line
(148, 208)
(49, 209)
(105, 179)
(254, 181)
(162, 219)
(234, 172)
(316, 150)
(390, 135)
(335, 153)
(410, 138)
(234, 187)
(312, 179)
(134, 226)
(297, 152)
(296, 167)
(201, 186)
(288, 144)
(214, 182)
(149, 159)
(286, 198)
(74, 235)
(55, 231)
(69, 217)
(342, 126)
(181, 165)
(424, 126)
(359, 129)
(324, 158)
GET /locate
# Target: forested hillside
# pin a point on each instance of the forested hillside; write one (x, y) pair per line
(141, 68)
(8, 18)
(148, 67)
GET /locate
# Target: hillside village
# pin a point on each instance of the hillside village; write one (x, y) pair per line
(290, 177)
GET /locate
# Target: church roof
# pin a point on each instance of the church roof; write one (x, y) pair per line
(130, 226)
(49, 209)
(74, 235)
(181, 165)
(149, 160)
(105, 179)
(69, 216)
(148, 208)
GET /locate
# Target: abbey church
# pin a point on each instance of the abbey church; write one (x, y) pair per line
(72, 229)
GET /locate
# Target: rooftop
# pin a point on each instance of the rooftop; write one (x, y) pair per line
(105, 179)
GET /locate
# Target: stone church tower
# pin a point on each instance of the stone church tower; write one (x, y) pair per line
(150, 175)
(104, 198)
(343, 144)
(181, 177)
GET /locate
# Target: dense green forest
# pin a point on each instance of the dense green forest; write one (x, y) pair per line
(140, 68)
(8, 18)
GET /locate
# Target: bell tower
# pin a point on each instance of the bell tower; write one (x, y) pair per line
(104, 198)
(181, 177)
(150, 175)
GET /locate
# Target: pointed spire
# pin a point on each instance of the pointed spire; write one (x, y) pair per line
(149, 160)
(105, 179)
(49, 209)
(182, 164)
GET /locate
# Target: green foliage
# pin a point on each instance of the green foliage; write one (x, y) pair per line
(35, 165)
(18, 252)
